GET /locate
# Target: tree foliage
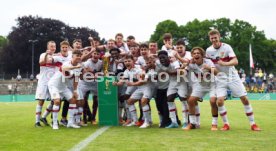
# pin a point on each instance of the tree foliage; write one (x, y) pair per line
(18, 52)
(239, 34)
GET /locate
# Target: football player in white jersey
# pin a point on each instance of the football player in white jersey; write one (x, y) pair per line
(203, 76)
(130, 74)
(58, 60)
(92, 66)
(144, 54)
(153, 48)
(169, 70)
(184, 57)
(59, 86)
(119, 41)
(47, 69)
(225, 59)
(146, 85)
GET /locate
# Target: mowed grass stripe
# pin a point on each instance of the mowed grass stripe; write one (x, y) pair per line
(89, 139)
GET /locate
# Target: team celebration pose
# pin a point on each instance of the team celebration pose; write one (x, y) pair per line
(143, 73)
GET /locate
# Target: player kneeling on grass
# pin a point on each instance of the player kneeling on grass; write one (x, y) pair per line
(59, 85)
(204, 72)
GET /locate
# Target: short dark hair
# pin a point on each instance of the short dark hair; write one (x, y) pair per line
(119, 34)
(130, 37)
(77, 40)
(96, 39)
(162, 52)
(76, 52)
(129, 56)
(144, 45)
(167, 36)
(180, 42)
(114, 49)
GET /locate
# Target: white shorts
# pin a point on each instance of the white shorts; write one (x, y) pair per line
(59, 94)
(79, 92)
(137, 94)
(237, 88)
(84, 89)
(181, 88)
(130, 90)
(200, 91)
(42, 92)
(150, 91)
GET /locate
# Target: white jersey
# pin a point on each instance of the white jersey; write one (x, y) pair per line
(59, 59)
(125, 48)
(141, 62)
(132, 74)
(224, 53)
(164, 83)
(200, 74)
(187, 56)
(95, 66)
(47, 70)
(60, 81)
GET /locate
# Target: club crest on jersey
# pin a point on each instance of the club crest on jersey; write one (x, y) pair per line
(221, 54)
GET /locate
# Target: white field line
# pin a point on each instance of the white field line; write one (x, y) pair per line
(81, 145)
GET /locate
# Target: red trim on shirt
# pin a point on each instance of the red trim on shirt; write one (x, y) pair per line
(48, 65)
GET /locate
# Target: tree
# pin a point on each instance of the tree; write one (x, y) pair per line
(239, 34)
(167, 26)
(19, 50)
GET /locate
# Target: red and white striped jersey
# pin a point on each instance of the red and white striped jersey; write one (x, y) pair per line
(47, 70)
(224, 53)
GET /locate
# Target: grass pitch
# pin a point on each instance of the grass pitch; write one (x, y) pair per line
(17, 132)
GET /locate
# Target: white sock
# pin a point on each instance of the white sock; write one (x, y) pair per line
(80, 110)
(185, 111)
(38, 113)
(71, 112)
(48, 110)
(249, 113)
(76, 112)
(146, 113)
(193, 119)
(223, 113)
(172, 110)
(133, 113)
(55, 114)
(215, 120)
(197, 113)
